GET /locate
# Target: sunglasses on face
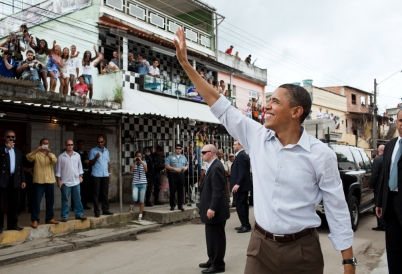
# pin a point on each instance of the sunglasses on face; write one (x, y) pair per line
(100, 142)
(178, 147)
(205, 152)
(10, 136)
(70, 145)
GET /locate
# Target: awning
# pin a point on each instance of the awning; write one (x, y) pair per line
(141, 103)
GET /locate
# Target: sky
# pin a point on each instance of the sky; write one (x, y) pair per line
(334, 43)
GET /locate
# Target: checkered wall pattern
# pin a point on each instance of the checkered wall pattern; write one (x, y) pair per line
(140, 132)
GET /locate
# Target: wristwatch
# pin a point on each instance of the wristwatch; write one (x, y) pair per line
(350, 261)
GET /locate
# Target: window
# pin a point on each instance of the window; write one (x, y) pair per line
(358, 158)
(234, 91)
(353, 99)
(252, 94)
(363, 100)
(366, 159)
(345, 158)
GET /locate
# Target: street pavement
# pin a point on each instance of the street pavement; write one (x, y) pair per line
(180, 247)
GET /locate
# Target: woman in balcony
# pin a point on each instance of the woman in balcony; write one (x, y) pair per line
(87, 60)
(64, 72)
(41, 53)
(54, 66)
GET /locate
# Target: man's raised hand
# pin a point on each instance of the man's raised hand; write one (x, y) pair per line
(181, 48)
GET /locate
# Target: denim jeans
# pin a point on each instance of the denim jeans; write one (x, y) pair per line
(138, 192)
(38, 191)
(76, 197)
(199, 160)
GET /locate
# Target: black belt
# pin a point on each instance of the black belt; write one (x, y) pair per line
(284, 238)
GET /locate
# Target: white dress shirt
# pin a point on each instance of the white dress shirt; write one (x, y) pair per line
(290, 181)
(69, 169)
(154, 71)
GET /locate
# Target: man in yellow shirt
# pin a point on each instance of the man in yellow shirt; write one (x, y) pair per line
(43, 182)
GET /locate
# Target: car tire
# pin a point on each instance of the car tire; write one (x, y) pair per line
(354, 212)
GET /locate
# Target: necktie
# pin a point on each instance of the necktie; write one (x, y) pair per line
(393, 178)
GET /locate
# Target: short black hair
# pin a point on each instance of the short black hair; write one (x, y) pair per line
(29, 51)
(43, 139)
(298, 96)
(80, 141)
(159, 148)
(156, 59)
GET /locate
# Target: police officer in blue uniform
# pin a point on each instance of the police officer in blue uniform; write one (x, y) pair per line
(177, 164)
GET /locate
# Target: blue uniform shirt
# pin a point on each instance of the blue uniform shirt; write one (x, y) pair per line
(143, 70)
(176, 161)
(4, 71)
(100, 168)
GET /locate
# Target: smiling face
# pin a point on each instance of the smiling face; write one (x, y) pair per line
(66, 51)
(278, 111)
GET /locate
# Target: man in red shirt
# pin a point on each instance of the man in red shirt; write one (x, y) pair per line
(229, 50)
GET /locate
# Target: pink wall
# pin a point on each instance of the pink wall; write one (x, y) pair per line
(243, 87)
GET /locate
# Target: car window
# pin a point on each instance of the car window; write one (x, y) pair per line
(358, 158)
(345, 158)
(366, 159)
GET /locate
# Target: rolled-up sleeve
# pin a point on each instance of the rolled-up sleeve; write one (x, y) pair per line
(242, 128)
(336, 209)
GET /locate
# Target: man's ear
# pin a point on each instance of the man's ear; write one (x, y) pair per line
(297, 112)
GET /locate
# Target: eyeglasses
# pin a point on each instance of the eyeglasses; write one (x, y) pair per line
(205, 152)
(70, 145)
(10, 136)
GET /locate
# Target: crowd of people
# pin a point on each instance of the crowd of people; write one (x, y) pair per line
(47, 65)
(236, 55)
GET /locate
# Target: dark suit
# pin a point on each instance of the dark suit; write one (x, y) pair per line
(375, 182)
(213, 197)
(240, 175)
(10, 185)
(391, 203)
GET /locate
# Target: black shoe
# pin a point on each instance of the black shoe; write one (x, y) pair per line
(82, 218)
(379, 228)
(64, 219)
(87, 207)
(214, 270)
(149, 204)
(181, 208)
(204, 265)
(244, 229)
(15, 228)
(107, 213)
(97, 215)
(239, 227)
(171, 208)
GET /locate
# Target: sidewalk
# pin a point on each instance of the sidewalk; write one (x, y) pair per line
(382, 267)
(159, 214)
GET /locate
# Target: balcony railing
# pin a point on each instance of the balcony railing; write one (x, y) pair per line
(159, 20)
(168, 88)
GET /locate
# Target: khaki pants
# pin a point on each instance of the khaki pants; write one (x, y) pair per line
(264, 256)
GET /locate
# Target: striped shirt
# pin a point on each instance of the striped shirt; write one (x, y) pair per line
(139, 174)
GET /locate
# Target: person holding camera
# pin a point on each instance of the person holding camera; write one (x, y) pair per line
(12, 179)
(43, 182)
(131, 63)
(143, 65)
(28, 38)
(6, 64)
(15, 45)
(29, 69)
(139, 184)
(201, 140)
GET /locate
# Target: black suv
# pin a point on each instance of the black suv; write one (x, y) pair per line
(355, 170)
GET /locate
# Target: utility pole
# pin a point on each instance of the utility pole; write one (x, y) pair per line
(374, 122)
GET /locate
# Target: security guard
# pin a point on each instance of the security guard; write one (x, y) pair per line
(177, 164)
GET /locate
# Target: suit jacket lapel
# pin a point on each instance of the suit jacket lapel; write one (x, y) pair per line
(7, 159)
(208, 173)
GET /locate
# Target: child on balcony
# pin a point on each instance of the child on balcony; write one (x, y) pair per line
(81, 90)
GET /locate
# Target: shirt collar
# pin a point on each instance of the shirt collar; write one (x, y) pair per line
(65, 153)
(209, 164)
(304, 141)
(238, 152)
